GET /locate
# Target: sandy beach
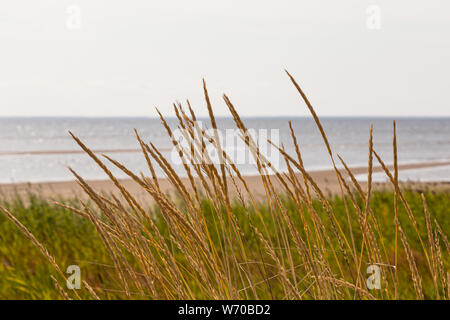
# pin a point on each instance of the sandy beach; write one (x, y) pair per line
(326, 179)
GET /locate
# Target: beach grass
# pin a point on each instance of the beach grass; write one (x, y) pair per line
(25, 273)
(216, 240)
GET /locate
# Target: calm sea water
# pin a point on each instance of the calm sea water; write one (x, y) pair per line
(40, 149)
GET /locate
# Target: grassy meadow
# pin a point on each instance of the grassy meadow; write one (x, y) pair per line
(216, 240)
(24, 271)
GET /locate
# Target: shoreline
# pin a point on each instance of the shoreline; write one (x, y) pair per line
(325, 179)
(75, 151)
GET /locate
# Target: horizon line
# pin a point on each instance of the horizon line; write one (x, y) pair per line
(221, 116)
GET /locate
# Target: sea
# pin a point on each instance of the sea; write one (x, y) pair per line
(41, 149)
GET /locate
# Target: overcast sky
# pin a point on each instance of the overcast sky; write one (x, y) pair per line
(124, 57)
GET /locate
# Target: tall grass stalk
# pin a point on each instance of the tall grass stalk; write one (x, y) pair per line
(199, 247)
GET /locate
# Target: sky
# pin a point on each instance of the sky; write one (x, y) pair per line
(126, 57)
